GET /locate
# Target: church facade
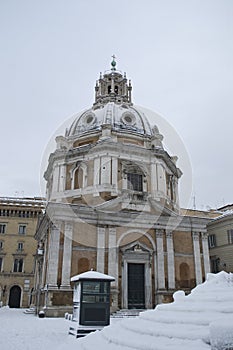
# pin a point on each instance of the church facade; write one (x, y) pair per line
(113, 207)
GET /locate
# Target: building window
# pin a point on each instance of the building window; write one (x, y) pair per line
(20, 246)
(18, 265)
(135, 182)
(230, 236)
(1, 264)
(1, 245)
(212, 241)
(2, 228)
(214, 264)
(22, 229)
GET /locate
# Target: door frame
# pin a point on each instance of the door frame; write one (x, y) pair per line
(141, 255)
(140, 285)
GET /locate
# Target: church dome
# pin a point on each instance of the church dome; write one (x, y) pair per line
(121, 117)
(112, 107)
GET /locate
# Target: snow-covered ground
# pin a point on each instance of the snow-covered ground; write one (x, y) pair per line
(193, 322)
(20, 331)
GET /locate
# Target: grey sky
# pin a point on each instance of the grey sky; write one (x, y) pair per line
(179, 55)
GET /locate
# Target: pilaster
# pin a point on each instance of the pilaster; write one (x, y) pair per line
(105, 170)
(55, 179)
(197, 257)
(62, 178)
(153, 180)
(114, 173)
(112, 255)
(170, 260)
(160, 259)
(100, 248)
(113, 265)
(205, 249)
(67, 255)
(96, 171)
(53, 255)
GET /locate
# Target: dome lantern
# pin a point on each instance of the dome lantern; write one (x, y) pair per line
(113, 86)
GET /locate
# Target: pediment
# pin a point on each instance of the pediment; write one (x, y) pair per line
(136, 247)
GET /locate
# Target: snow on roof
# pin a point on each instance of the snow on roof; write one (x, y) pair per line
(226, 213)
(23, 201)
(183, 324)
(92, 275)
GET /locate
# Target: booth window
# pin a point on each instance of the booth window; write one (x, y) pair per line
(95, 292)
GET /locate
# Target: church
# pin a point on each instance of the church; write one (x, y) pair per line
(113, 206)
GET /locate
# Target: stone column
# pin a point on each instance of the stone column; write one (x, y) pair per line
(67, 255)
(124, 288)
(43, 277)
(53, 255)
(113, 266)
(197, 257)
(170, 260)
(205, 249)
(100, 249)
(112, 255)
(160, 259)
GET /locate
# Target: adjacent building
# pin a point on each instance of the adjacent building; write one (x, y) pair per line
(220, 236)
(113, 206)
(18, 221)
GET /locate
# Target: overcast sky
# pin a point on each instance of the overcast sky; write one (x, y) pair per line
(178, 54)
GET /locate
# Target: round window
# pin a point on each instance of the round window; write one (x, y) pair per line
(89, 119)
(128, 119)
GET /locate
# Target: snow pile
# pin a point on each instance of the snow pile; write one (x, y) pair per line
(183, 324)
(203, 320)
(221, 334)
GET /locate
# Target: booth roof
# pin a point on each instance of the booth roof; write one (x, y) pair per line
(92, 275)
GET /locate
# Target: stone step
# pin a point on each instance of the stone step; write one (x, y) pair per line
(125, 313)
(31, 310)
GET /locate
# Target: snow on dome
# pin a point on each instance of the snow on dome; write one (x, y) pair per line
(183, 324)
(121, 117)
(94, 275)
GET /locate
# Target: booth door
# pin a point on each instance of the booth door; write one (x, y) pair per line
(136, 286)
(15, 296)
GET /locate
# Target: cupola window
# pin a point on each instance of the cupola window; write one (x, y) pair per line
(135, 182)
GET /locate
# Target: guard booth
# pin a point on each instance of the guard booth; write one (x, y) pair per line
(91, 302)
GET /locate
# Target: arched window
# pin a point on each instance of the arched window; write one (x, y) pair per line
(184, 275)
(78, 178)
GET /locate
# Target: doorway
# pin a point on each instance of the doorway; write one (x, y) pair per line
(15, 297)
(136, 286)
